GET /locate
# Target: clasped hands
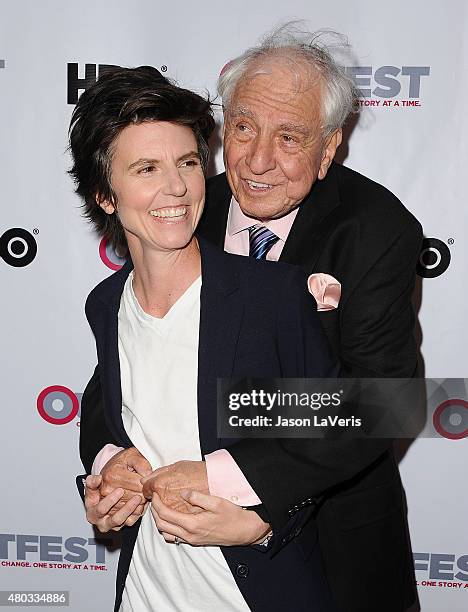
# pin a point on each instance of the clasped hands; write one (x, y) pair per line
(179, 500)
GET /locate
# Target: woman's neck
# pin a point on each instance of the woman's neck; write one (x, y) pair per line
(161, 277)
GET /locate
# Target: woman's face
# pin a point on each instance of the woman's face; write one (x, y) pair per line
(159, 183)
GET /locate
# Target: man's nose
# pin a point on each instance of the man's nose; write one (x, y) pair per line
(260, 156)
(174, 183)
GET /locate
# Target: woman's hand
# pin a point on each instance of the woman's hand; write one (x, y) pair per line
(219, 523)
(102, 512)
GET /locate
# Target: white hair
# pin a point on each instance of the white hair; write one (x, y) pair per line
(317, 50)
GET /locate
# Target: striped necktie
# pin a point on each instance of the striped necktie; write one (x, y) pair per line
(261, 241)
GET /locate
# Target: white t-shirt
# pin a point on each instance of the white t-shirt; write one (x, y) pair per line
(158, 369)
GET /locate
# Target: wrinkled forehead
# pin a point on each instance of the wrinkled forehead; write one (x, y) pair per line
(280, 90)
(287, 71)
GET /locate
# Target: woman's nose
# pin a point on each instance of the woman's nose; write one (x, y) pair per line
(175, 184)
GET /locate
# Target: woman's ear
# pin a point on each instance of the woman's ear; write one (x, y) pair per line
(107, 206)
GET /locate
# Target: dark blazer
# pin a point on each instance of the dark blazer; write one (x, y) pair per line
(357, 231)
(256, 320)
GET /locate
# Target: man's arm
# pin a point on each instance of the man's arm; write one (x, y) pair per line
(377, 323)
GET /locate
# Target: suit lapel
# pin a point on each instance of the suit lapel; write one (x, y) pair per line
(221, 313)
(306, 238)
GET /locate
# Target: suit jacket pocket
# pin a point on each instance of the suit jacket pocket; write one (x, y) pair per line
(355, 510)
(330, 320)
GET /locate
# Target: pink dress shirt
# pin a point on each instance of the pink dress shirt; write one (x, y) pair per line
(225, 478)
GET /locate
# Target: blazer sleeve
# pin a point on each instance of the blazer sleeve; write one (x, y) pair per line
(94, 433)
(377, 320)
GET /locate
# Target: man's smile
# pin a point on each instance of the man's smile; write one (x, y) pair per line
(257, 186)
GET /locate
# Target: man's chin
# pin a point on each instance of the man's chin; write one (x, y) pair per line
(262, 210)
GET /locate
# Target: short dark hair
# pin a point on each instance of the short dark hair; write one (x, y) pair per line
(119, 98)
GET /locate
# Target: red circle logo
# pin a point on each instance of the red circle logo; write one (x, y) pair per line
(69, 402)
(442, 415)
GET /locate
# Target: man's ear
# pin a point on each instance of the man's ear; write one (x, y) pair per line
(107, 206)
(331, 145)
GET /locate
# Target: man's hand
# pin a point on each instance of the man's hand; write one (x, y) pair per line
(98, 509)
(124, 471)
(220, 523)
(170, 480)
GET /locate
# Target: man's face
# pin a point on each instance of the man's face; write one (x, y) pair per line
(273, 145)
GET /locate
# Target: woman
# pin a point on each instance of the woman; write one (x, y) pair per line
(163, 337)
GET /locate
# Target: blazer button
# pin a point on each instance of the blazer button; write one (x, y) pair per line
(242, 570)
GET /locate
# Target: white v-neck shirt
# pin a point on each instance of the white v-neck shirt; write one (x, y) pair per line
(159, 370)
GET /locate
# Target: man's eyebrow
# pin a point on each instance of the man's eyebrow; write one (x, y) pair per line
(241, 111)
(295, 127)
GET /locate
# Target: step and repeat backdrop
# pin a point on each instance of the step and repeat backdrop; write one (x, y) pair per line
(411, 136)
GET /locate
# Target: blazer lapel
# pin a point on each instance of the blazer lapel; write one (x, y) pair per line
(306, 238)
(221, 313)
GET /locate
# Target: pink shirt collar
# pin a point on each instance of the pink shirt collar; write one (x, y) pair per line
(238, 222)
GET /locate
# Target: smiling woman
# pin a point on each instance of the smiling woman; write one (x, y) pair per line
(159, 190)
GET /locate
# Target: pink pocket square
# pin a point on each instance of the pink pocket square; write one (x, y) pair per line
(325, 289)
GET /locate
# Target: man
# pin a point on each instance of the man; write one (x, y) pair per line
(283, 197)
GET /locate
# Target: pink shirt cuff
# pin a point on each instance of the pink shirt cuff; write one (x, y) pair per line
(103, 456)
(226, 480)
